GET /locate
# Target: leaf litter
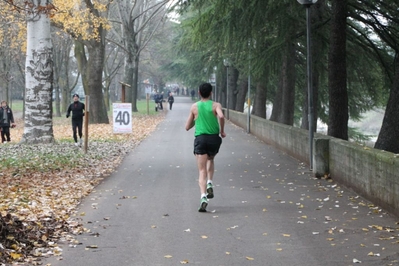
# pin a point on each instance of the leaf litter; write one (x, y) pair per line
(42, 184)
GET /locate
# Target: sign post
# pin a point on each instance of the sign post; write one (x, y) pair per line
(148, 92)
(122, 118)
(87, 112)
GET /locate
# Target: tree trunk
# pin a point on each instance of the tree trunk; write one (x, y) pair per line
(56, 87)
(288, 76)
(337, 74)
(388, 138)
(98, 112)
(277, 103)
(38, 126)
(135, 82)
(233, 91)
(128, 77)
(242, 95)
(259, 108)
(91, 71)
(223, 88)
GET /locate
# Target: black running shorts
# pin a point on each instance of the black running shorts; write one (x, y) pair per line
(207, 144)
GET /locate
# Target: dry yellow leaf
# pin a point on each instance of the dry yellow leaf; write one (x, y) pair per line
(184, 262)
(265, 210)
(204, 237)
(227, 253)
(286, 235)
(168, 256)
(15, 256)
(279, 249)
(249, 258)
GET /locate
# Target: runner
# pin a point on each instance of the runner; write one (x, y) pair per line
(208, 119)
(77, 108)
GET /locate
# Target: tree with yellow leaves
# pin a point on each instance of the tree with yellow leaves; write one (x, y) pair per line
(86, 22)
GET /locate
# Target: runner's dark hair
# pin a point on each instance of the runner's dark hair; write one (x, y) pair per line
(205, 90)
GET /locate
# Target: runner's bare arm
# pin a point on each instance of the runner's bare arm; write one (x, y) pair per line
(220, 115)
(190, 120)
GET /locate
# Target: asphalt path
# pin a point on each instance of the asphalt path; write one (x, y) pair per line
(267, 210)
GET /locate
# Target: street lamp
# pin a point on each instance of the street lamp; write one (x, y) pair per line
(226, 63)
(308, 4)
(214, 71)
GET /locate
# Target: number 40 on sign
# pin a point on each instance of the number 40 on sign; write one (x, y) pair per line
(122, 118)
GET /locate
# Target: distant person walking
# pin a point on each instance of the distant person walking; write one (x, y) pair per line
(192, 94)
(77, 108)
(208, 119)
(6, 121)
(171, 100)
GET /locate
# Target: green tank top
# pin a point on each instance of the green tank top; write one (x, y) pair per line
(206, 122)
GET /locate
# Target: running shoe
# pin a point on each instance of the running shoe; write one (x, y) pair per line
(209, 190)
(203, 204)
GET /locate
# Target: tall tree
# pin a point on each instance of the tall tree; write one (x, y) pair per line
(337, 73)
(388, 138)
(87, 22)
(39, 74)
(134, 34)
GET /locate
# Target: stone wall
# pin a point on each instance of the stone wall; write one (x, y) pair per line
(372, 173)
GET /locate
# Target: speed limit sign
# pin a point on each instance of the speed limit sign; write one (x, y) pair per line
(122, 118)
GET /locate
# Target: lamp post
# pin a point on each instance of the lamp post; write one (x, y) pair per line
(249, 90)
(226, 63)
(308, 4)
(249, 103)
(216, 96)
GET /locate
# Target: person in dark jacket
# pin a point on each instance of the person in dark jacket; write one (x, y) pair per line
(6, 121)
(77, 108)
(171, 100)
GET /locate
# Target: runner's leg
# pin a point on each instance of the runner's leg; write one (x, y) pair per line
(202, 170)
(210, 168)
(74, 126)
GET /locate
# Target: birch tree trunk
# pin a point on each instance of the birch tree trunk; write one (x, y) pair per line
(38, 76)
